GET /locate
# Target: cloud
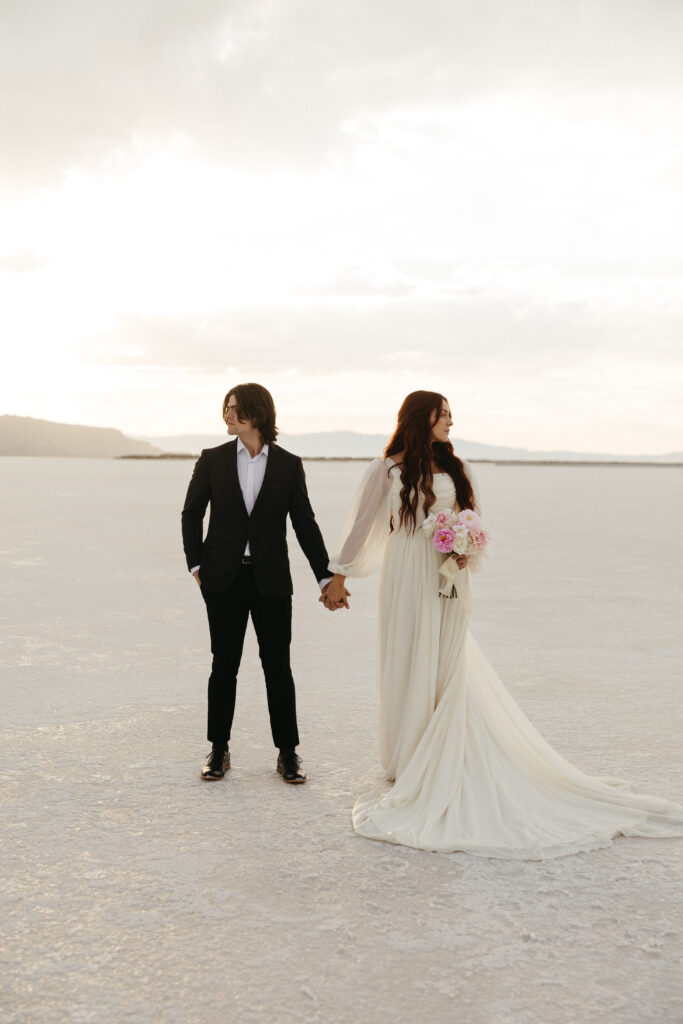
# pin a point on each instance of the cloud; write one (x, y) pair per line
(481, 337)
(21, 262)
(254, 82)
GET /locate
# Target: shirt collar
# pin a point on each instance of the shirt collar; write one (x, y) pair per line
(241, 447)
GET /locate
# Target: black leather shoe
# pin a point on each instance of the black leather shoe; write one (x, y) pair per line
(289, 767)
(217, 763)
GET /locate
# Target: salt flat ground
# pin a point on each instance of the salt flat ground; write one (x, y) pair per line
(132, 891)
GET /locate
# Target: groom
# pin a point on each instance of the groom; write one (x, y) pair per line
(242, 566)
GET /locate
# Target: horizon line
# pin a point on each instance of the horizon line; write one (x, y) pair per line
(356, 433)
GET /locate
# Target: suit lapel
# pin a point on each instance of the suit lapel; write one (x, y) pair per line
(232, 475)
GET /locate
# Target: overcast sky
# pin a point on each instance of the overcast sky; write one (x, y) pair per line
(345, 202)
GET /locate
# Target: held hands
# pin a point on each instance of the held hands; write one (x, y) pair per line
(335, 594)
(460, 560)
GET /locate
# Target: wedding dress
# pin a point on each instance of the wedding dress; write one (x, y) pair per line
(470, 772)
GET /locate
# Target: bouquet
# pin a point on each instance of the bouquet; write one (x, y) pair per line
(454, 533)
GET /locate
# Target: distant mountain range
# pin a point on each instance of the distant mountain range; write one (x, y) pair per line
(24, 435)
(341, 444)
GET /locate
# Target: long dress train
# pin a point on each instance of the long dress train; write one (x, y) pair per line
(470, 771)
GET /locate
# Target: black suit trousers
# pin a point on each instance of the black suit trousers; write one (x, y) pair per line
(228, 613)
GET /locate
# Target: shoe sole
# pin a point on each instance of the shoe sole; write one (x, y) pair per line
(214, 778)
(291, 782)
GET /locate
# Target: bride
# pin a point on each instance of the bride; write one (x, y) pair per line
(469, 771)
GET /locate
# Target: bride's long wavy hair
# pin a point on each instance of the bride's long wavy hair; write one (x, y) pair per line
(413, 436)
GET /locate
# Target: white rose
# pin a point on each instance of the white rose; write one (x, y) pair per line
(429, 525)
(461, 538)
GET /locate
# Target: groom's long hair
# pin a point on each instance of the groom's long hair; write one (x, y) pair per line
(255, 403)
(413, 436)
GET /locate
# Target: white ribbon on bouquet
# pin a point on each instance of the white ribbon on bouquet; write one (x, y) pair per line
(455, 582)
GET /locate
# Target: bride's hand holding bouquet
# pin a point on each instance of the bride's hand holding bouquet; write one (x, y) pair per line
(459, 535)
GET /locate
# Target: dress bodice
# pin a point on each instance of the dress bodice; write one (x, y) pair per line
(444, 491)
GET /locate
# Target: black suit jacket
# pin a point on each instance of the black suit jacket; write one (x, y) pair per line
(283, 493)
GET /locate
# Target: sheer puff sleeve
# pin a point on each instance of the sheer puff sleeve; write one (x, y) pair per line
(364, 536)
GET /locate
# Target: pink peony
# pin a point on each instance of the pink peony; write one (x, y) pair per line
(443, 519)
(469, 518)
(443, 540)
(477, 540)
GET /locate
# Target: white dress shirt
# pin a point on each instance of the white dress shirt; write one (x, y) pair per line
(250, 472)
